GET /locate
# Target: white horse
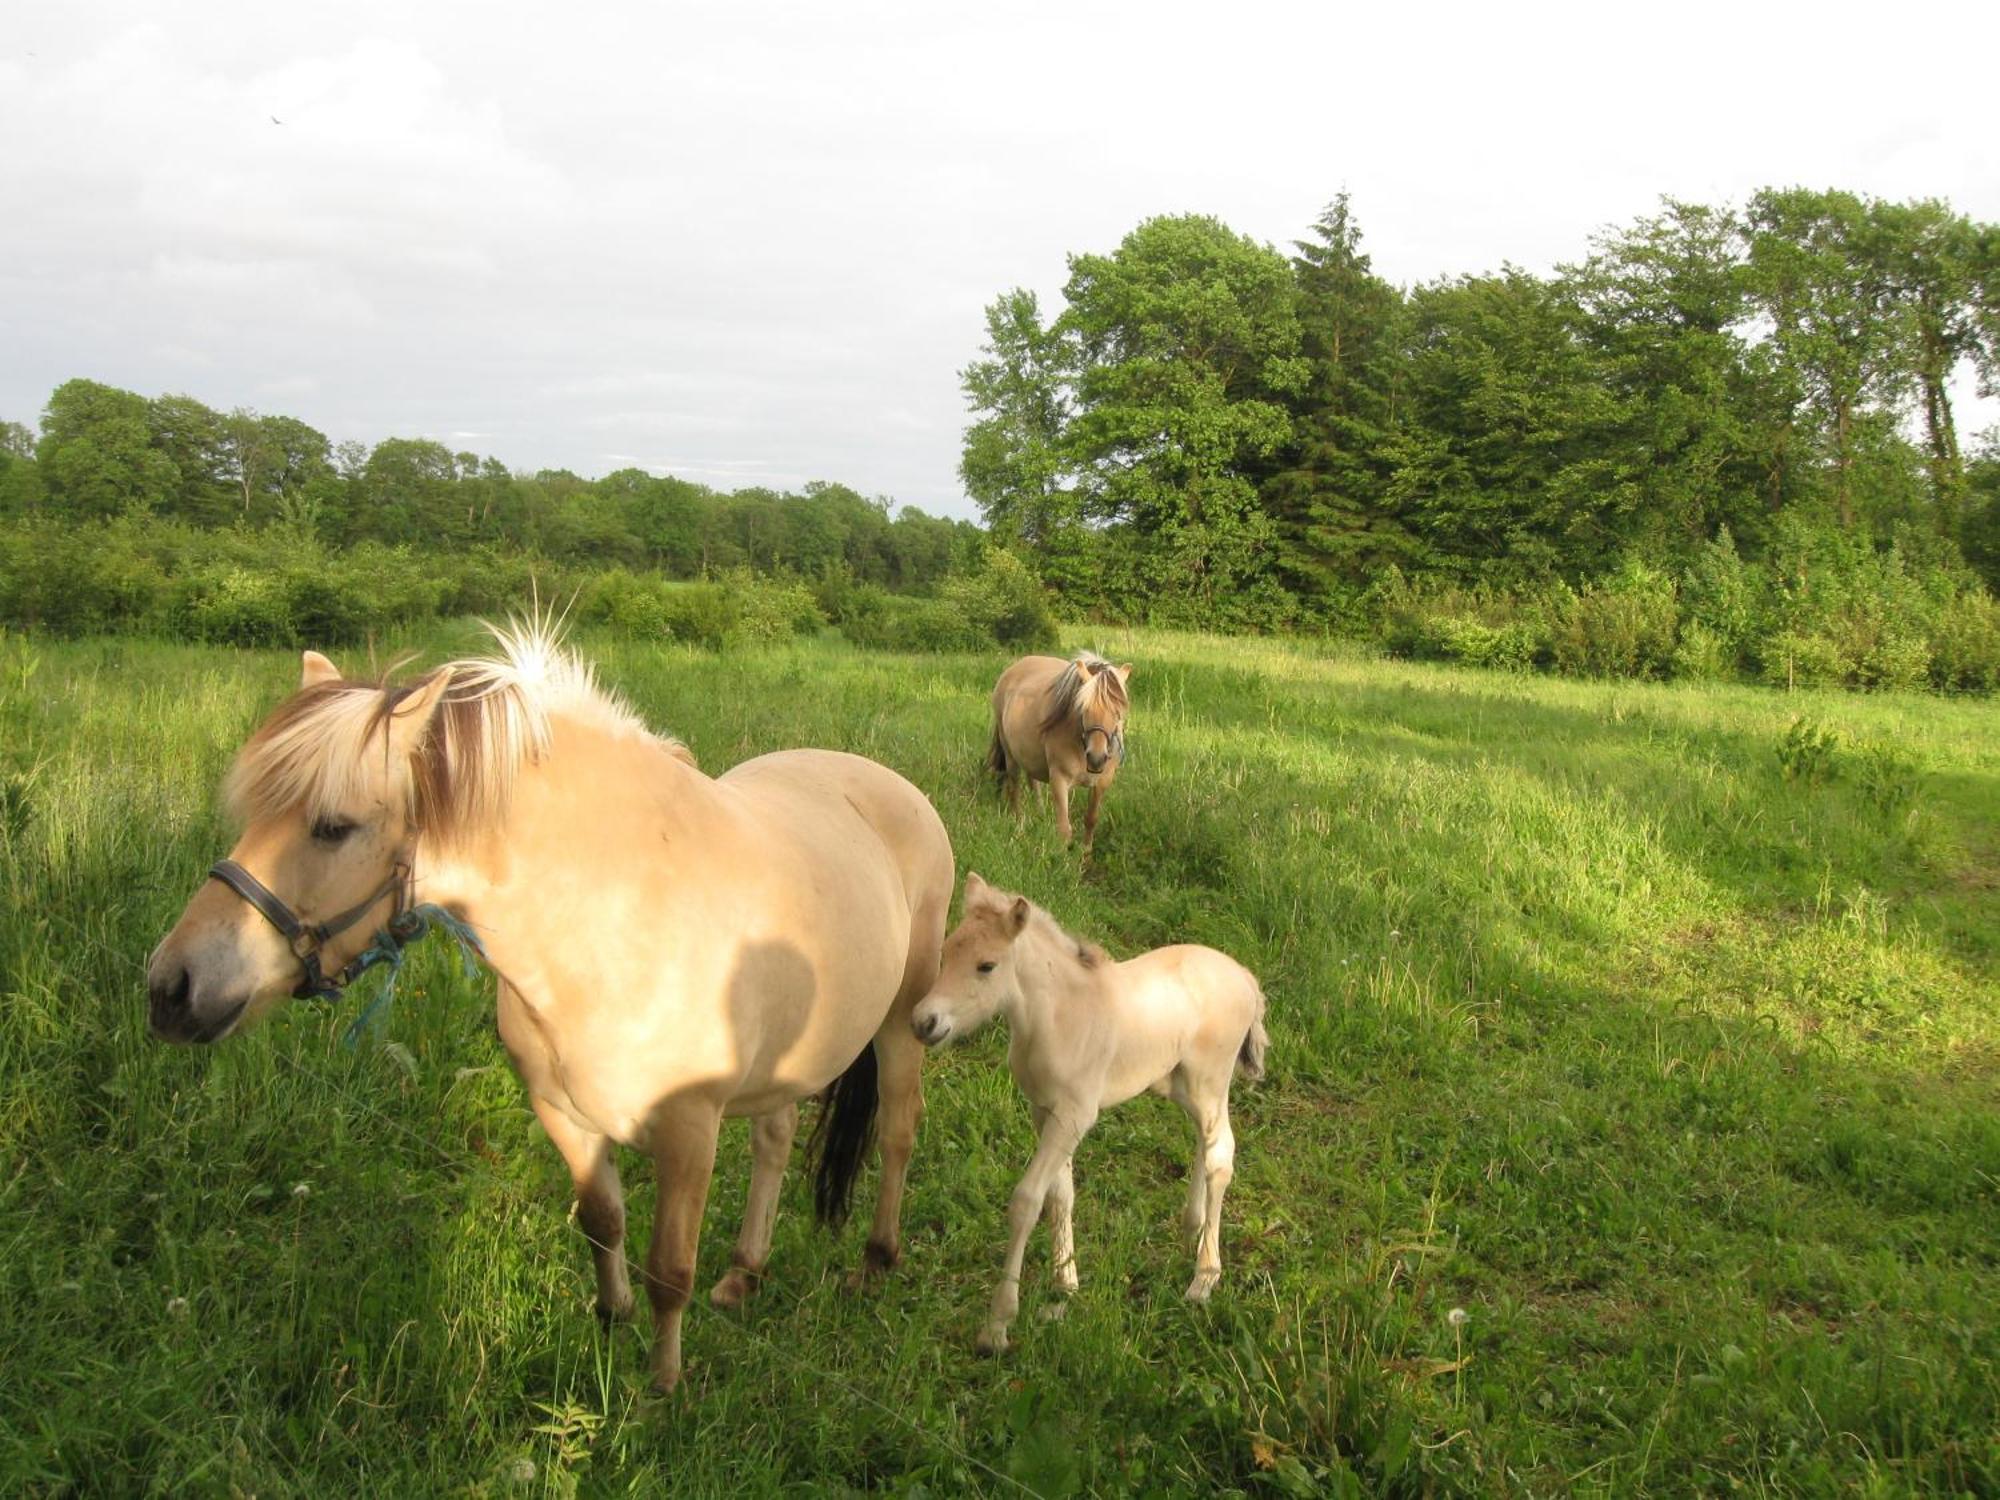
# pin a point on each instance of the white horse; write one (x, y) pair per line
(1087, 1033)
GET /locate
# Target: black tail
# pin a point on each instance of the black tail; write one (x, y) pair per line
(996, 754)
(841, 1137)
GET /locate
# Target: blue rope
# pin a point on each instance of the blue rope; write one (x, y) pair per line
(390, 946)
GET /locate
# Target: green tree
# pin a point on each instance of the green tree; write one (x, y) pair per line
(1507, 465)
(1013, 463)
(1328, 495)
(1663, 304)
(1838, 336)
(96, 455)
(1185, 343)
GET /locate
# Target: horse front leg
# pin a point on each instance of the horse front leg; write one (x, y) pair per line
(683, 1162)
(1059, 789)
(1090, 816)
(600, 1205)
(1058, 1143)
(770, 1149)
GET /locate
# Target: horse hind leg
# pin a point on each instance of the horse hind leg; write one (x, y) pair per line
(600, 1205)
(899, 1063)
(770, 1150)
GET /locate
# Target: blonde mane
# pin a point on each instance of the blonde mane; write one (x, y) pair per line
(493, 719)
(1087, 680)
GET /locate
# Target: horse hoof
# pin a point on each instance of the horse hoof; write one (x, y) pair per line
(991, 1341)
(611, 1314)
(1054, 1312)
(666, 1382)
(736, 1287)
(1203, 1283)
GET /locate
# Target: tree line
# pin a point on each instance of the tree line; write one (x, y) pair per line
(103, 453)
(1213, 433)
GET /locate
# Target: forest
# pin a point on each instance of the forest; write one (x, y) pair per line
(1722, 443)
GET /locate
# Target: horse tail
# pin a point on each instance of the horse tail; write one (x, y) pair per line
(841, 1137)
(996, 753)
(1250, 1056)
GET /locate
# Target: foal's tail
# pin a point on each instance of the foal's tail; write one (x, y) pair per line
(1250, 1056)
(841, 1137)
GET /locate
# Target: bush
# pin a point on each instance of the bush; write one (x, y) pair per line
(1789, 660)
(1702, 656)
(1965, 644)
(1623, 627)
(1003, 602)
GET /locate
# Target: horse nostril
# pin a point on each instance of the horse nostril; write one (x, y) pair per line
(169, 1002)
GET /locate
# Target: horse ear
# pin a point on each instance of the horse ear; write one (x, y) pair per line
(975, 887)
(315, 669)
(1124, 671)
(1018, 914)
(409, 720)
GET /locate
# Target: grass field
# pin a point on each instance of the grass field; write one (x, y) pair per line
(1654, 1027)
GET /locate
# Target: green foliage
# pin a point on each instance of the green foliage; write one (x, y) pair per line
(1808, 751)
(1624, 627)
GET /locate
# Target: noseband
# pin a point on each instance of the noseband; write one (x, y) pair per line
(1114, 742)
(404, 926)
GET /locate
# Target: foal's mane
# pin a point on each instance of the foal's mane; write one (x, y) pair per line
(1087, 679)
(493, 719)
(1086, 954)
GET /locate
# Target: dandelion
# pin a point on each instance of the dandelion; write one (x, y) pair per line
(1457, 1317)
(302, 1190)
(521, 1471)
(177, 1307)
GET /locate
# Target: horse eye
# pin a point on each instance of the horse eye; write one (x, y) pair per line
(986, 968)
(332, 830)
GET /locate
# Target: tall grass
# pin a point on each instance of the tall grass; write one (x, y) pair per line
(1651, 1026)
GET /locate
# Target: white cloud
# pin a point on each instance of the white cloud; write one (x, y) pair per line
(706, 231)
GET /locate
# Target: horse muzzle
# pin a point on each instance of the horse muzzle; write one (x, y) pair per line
(172, 1017)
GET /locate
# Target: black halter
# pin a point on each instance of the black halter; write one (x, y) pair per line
(1114, 742)
(307, 938)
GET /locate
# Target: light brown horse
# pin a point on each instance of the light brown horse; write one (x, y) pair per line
(1061, 722)
(671, 949)
(1086, 1033)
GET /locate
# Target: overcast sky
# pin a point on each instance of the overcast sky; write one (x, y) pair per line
(751, 244)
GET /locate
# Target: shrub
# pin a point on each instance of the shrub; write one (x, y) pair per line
(1789, 660)
(1003, 602)
(1702, 655)
(1623, 627)
(1965, 644)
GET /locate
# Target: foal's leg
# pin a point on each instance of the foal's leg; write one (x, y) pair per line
(1216, 1164)
(1062, 1231)
(770, 1148)
(683, 1161)
(899, 1060)
(600, 1205)
(1058, 1144)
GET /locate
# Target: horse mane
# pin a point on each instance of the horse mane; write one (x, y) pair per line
(1087, 679)
(493, 719)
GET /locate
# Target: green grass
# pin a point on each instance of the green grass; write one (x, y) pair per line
(1651, 1027)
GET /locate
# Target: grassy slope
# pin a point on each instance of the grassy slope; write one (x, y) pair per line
(1678, 1075)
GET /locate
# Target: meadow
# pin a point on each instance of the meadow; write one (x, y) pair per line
(1652, 1026)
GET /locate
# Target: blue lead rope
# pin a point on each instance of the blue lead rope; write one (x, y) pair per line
(390, 946)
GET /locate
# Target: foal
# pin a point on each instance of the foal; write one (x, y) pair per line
(1087, 1033)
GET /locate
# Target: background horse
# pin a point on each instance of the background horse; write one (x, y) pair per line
(671, 949)
(1084, 1034)
(1062, 722)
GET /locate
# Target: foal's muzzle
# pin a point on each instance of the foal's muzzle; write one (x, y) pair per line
(930, 1027)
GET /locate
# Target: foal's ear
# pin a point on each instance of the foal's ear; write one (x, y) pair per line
(1017, 914)
(315, 669)
(1124, 671)
(975, 887)
(412, 717)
